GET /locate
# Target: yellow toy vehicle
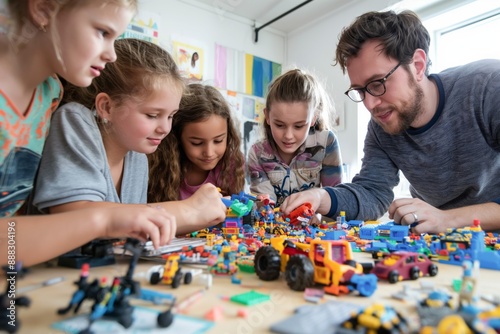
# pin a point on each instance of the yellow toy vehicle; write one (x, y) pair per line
(326, 262)
(170, 273)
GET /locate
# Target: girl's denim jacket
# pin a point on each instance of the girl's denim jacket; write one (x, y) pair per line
(318, 163)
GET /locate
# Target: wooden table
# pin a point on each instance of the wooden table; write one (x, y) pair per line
(45, 301)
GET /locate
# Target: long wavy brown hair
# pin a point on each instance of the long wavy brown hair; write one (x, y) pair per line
(168, 164)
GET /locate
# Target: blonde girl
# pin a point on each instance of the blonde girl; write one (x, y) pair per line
(39, 39)
(298, 151)
(107, 130)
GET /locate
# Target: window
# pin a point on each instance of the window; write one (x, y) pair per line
(464, 34)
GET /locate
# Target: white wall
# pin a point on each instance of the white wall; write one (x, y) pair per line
(313, 47)
(181, 20)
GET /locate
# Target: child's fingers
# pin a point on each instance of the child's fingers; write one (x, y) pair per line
(166, 228)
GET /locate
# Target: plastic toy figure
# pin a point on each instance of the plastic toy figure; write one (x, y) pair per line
(113, 301)
(85, 290)
(468, 286)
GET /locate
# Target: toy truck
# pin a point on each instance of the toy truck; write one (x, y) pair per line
(170, 273)
(326, 262)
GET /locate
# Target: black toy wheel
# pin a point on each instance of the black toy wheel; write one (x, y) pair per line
(350, 263)
(249, 218)
(188, 278)
(433, 270)
(414, 273)
(299, 272)
(267, 263)
(126, 321)
(155, 278)
(165, 319)
(393, 277)
(176, 282)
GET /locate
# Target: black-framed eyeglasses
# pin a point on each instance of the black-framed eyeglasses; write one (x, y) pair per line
(374, 88)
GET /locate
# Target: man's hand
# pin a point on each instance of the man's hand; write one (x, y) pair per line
(318, 197)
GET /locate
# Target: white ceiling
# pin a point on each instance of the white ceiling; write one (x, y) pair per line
(263, 11)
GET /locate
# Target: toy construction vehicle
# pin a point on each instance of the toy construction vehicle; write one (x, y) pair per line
(170, 273)
(326, 262)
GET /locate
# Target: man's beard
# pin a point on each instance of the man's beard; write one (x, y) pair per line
(409, 110)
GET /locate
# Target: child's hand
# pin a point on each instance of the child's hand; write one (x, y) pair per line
(141, 222)
(319, 199)
(208, 205)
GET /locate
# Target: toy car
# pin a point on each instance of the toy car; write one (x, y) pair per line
(170, 273)
(398, 266)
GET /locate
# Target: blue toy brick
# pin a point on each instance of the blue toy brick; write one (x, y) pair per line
(355, 223)
(334, 235)
(368, 232)
(398, 232)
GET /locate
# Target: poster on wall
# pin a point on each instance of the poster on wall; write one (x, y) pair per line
(249, 112)
(243, 72)
(190, 59)
(143, 26)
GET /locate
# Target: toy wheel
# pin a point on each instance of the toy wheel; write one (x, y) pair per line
(367, 267)
(433, 270)
(350, 263)
(249, 218)
(267, 263)
(393, 277)
(83, 331)
(155, 278)
(165, 319)
(299, 272)
(414, 273)
(176, 282)
(188, 278)
(126, 321)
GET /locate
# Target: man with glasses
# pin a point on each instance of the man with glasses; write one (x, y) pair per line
(441, 130)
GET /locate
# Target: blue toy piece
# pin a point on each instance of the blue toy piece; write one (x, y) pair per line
(438, 299)
(113, 301)
(398, 232)
(460, 244)
(334, 235)
(366, 284)
(368, 232)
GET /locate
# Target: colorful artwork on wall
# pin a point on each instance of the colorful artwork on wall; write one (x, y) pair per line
(190, 59)
(249, 112)
(143, 26)
(243, 72)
